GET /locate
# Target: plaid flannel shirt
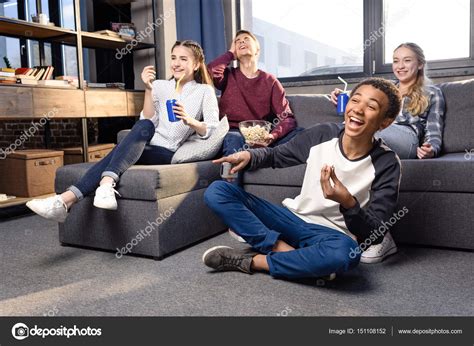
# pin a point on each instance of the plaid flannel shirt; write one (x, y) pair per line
(428, 125)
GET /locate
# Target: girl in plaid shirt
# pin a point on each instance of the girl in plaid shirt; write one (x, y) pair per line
(418, 129)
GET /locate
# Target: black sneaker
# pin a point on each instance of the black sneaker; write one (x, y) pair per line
(224, 258)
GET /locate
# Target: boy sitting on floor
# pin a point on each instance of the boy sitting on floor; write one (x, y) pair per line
(350, 187)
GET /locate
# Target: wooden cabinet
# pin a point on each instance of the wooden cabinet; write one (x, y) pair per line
(58, 103)
(106, 103)
(135, 102)
(15, 102)
(37, 102)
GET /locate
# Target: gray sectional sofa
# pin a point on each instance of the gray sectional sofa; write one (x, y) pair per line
(162, 208)
(438, 193)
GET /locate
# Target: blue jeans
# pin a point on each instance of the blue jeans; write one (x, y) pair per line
(234, 142)
(132, 149)
(402, 139)
(319, 250)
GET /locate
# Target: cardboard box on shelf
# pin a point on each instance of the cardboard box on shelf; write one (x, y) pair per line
(30, 173)
(95, 153)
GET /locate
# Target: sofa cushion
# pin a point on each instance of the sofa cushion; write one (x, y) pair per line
(448, 173)
(290, 176)
(459, 121)
(310, 110)
(197, 149)
(149, 183)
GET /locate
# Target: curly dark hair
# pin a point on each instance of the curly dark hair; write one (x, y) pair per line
(389, 89)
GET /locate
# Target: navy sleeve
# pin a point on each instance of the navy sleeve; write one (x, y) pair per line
(296, 151)
(363, 222)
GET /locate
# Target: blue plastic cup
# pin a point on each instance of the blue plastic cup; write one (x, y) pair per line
(171, 114)
(342, 100)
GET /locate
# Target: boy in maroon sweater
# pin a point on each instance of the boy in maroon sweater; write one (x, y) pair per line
(250, 94)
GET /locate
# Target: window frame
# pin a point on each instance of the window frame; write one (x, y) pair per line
(373, 64)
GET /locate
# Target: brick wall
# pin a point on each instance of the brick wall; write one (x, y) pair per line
(64, 133)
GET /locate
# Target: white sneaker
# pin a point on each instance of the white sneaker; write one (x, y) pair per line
(236, 236)
(377, 253)
(105, 197)
(51, 208)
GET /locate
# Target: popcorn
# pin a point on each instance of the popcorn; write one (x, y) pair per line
(254, 133)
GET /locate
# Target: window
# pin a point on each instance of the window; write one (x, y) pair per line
(299, 31)
(9, 47)
(328, 61)
(67, 14)
(284, 54)
(261, 41)
(357, 37)
(310, 60)
(69, 53)
(9, 9)
(34, 54)
(441, 28)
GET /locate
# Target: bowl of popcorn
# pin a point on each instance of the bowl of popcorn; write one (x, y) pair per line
(255, 131)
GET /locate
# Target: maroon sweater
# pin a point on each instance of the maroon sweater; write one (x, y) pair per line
(259, 98)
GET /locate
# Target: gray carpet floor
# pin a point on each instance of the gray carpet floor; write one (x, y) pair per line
(39, 277)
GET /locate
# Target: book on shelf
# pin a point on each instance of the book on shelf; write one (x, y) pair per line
(109, 33)
(7, 69)
(68, 78)
(53, 82)
(115, 85)
(26, 81)
(37, 72)
(24, 71)
(107, 85)
(96, 85)
(72, 80)
(22, 76)
(7, 74)
(127, 31)
(7, 80)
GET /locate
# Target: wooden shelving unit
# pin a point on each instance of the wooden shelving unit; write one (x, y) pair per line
(24, 29)
(93, 40)
(21, 28)
(31, 102)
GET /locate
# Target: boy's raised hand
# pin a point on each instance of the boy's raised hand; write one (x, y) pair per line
(338, 192)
